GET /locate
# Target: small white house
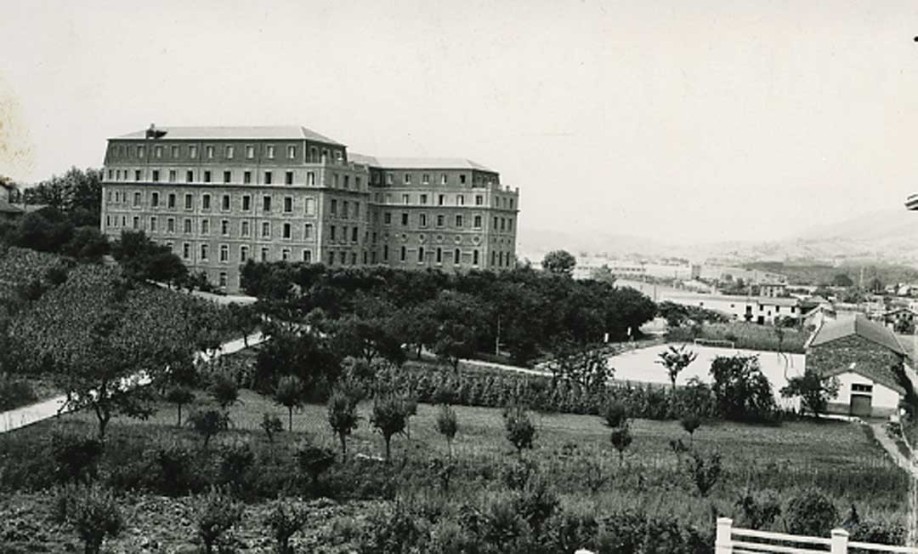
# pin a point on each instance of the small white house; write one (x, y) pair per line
(865, 357)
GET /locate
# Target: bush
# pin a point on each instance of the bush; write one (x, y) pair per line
(614, 414)
(811, 513)
(175, 471)
(620, 437)
(314, 461)
(15, 393)
(879, 532)
(92, 512)
(208, 423)
(741, 390)
(271, 425)
(520, 431)
(285, 520)
(236, 462)
(216, 513)
(392, 531)
(76, 459)
(704, 471)
(447, 425)
(757, 511)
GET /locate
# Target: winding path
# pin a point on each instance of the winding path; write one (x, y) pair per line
(45, 409)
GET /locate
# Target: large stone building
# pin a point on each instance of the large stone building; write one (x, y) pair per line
(219, 196)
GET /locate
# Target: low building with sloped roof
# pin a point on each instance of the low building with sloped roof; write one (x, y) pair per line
(865, 357)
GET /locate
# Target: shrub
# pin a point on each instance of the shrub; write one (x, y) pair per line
(15, 393)
(208, 423)
(810, 513)
(879, 532)
(704, 471)
(285, 520)
(757, 511)
(518, 473)
(76, 459)
(536, 503)
(342, 417)
(614, 414)
(520, 431)
(621, 439)
(271, 425)
(448, 426)
(392, 531)
(389, 417)
(314, 461)
(236, 462)
(216, 513)
(741, 390)
(92, 512)
(690, 423)
(175, 475)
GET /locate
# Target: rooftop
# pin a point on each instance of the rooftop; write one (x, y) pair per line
(283, 132)
(418, 163)
(775, 301)
(858, 325)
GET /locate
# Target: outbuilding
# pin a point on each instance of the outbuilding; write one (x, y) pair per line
(864, 356)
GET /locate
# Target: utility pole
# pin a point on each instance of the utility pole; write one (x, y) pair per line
(497, 339)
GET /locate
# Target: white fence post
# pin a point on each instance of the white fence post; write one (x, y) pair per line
(839, 541)
(723, 543)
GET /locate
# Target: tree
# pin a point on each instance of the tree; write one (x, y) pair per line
(614, 414)
(704, 471)
(100, 337)
(842, 280)
(342, 417)
(93, 513)
(815, 391)
(559, 262)
(216, 513)
(675, 360)
(520, 430)
(208, 423)
(285, 520)
(142, 259)
(389, 417)
(621, 439)
(224, 390)
(180, 396)
(811, 513)
(86, 243)
(741, 390)
(289, 393)
(314, 461)
(271, 425)
(77, 193)
(690, 423)
(448, 426)
(244, 319)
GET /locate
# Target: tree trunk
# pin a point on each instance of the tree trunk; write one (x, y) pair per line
(290, 418)
(103, 414)
(179, 424)
(343, 440)
(388, 451)
(419, 351)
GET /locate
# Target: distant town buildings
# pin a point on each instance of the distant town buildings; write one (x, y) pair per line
(219, 196)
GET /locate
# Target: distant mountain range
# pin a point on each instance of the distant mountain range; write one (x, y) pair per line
(888, 237)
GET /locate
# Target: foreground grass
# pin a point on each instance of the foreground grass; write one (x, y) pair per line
(572, 451)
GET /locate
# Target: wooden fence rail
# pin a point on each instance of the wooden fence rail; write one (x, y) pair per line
(733, 540)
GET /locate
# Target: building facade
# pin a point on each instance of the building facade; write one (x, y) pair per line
(219, 196)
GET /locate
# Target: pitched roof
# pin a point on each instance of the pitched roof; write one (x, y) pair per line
(285, 132)
(418, 163)
(858, 325)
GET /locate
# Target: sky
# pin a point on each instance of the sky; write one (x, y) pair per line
(681, 121)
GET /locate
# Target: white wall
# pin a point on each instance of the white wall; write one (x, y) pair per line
(883, 397)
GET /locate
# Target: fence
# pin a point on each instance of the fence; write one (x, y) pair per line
(733, 540)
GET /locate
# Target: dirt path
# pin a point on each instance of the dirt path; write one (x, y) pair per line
(33, 413)
(879, 431)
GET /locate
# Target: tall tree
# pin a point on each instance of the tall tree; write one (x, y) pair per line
(559, 262)
(675, 359)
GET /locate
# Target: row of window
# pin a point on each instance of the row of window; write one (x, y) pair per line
(226, 152)
(154, 225)
(168, 201)
(422, 199)
(208, 176)
(504, 224)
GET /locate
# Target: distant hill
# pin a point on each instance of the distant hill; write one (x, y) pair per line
(889, 237)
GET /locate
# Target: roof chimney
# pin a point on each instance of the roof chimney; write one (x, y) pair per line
(151, 132)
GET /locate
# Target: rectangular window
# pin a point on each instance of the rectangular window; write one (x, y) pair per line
(307, 256)
(266, 229)
(385, 252)
(205, 226)
(136, 199)
(153, 224)
(250, 151)
(230, 151)
(424, 199)
(187, 227)
(246, 203)
(422, 220)
(286, 230)
(222, 279)
(458, 221)
(333, 208)
(189, 176)
(264, 254)
(404, 219)
(425, 179)
(247, 177)
(225, 202)
(288, 178)
(479, 200)
(311, 178)
(227, 176)
(441, 199)
(476, 223)
(460, 200)
(420, 254)
(406, 198)
(170, 225)
(224, 227)
(285, 254)
(186, 250)
(154, 199)
(155, 175)
(158, 152)
(387, 218)
(345, 207)
(266, 204)
(244, 229)
(310, 206)
(172, 176)
(270, 152)
(243, 253)
(175, 152)
(403, 254)
(205, 202)
(331, 232)
(207, 176)
(204, 252)
(140, 151)
(457, 256)
(462, 179)
(441, 220)
(193, 151)
(288, 204)
(307, 231)
(210, 152)
(475, 257)
(388, 178)
(224, 253)
(354, 234)
(136, 174)
(407, 179)
(268, 177)
(136, 223)
(347, 181)
(443, 178)
(291, 152)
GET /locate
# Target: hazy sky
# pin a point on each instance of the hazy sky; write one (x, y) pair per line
(677, 120)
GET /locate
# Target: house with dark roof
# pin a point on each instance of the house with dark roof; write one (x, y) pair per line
(864, 356)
